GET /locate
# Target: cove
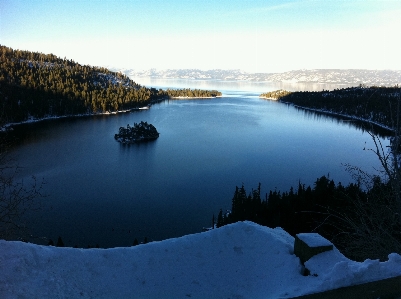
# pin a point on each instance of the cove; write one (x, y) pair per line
(102, 192)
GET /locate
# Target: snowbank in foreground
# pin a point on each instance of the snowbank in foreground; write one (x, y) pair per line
(242, 260)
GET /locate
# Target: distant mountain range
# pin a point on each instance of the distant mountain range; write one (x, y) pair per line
(336, 76)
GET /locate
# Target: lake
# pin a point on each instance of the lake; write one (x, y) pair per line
(102, 192)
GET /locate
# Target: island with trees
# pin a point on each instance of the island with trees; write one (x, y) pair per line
(138, 133)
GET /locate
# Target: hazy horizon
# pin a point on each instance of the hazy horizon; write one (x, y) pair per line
(234, 70)
(254, 36)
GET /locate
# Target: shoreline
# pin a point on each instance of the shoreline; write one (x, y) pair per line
(341, 114)
(8, 126)
(267, 98)
(186, 97)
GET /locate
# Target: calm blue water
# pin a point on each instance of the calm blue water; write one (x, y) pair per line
(100, 191)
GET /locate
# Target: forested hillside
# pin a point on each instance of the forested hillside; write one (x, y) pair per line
(374, 104)
(39, 85)
(36, 84)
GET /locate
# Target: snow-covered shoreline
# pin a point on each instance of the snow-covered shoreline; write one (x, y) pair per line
(9, 126)
(340, 114)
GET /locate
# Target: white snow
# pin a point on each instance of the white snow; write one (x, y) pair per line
(242, 260)
(335, 271)
(314, 239)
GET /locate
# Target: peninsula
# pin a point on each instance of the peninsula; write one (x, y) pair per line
(375, 105)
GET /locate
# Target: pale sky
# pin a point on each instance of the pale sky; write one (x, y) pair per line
(251, 35)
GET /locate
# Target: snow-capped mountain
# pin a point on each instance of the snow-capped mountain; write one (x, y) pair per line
(338, 76)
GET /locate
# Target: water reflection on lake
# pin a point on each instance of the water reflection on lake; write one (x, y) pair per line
(102, 192)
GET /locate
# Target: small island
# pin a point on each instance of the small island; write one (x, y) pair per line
(139, 132)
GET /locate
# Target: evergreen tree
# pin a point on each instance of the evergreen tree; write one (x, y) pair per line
(60, 242)
(220, 219)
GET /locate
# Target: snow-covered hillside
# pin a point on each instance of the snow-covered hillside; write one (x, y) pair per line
(328, 76)
(242, 260)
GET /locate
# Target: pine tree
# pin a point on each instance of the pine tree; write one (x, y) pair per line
(60, 242)
(220, 219)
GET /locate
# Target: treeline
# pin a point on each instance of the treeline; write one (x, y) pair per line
(192, 93)
(361, 223)
(38, 85)
(374, 104)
